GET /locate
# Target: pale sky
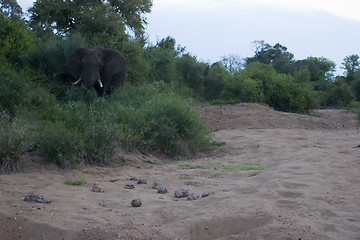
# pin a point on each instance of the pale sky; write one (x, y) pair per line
(210, 29)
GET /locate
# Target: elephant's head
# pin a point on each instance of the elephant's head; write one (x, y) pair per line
(97, 68)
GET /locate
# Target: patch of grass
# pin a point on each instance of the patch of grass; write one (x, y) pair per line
(75, 181)
(244, 166)
(189, 165)
(218, 144)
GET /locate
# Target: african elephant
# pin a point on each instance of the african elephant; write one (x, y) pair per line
(98, 68)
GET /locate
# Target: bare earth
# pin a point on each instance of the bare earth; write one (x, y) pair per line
(309, 189)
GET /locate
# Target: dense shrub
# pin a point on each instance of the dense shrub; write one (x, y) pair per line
(145, 118)
(22, 91)
(49, 57)
(339, 95)
(13, 143)
(15, 40)
(173, 127)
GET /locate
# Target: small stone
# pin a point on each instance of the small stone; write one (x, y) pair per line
(96, 188)
(192, 197)
(142, 181)
(161, 189)
(206, 194)
(136, 202)
(181, 193)
(129, 186)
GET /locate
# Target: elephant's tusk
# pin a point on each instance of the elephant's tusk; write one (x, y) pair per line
(99, 81)
(78, 81)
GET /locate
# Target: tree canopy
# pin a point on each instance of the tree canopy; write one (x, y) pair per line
(90, 17)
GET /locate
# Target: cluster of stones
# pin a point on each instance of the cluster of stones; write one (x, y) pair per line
(180, 193)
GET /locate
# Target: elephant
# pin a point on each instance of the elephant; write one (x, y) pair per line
(102, 69)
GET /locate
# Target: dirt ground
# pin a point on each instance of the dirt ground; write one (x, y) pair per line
(304, 184)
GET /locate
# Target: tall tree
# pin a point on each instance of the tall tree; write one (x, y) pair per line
(90, 16)
(351, 64)
(11, 9)
(276, 55)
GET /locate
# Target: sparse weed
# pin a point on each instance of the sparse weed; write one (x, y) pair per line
(244, 166)
(189, 165)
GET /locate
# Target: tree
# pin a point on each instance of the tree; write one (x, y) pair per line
(276, 55)
(233, 63)
(15, 39)
(90, 17)
(351, 65)
(11, 9)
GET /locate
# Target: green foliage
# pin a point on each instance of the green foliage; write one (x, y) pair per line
(49, 57)
(339, 95)
(261, 83)
(174, 128)
(138, 67)
(11, 9)
(243, 166)
(90, 131)
(75, 181)
(190, 72)
(77, 132)
(15, 40)
(13, 143)
(20, 92)
(189, 165)
(103, 21)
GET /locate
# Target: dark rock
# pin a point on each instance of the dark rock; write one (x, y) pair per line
(136, 202)
(129, 186)
(161, 189)
(96, 188)
(181, 193)
(142, 181)
(206, 194)
(192, 197)
(35, 197)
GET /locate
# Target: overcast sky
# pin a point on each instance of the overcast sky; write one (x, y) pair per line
(211, 29)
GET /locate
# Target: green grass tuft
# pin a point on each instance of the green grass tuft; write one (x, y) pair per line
(75, 181)
(245, 166)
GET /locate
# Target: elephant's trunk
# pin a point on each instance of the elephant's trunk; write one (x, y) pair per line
(78, 81)
(100, 83)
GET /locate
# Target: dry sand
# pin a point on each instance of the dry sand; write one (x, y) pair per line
(310, 188)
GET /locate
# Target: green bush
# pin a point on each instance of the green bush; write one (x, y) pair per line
(133, 117)
(77, 132)
(243, 89)
(20, 92)
(174, 128)
(49, 57)
(15, 40)
(339, 95)
(13, 143)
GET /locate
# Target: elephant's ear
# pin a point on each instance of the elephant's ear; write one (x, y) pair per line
(73, 62)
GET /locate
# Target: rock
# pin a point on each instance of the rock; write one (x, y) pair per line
(35, 197)
(181, 193)
(136, 202)
(206, 194)
(192, 197)
(142, 181)
(96, 188)
(161, 189)
(129, 186)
